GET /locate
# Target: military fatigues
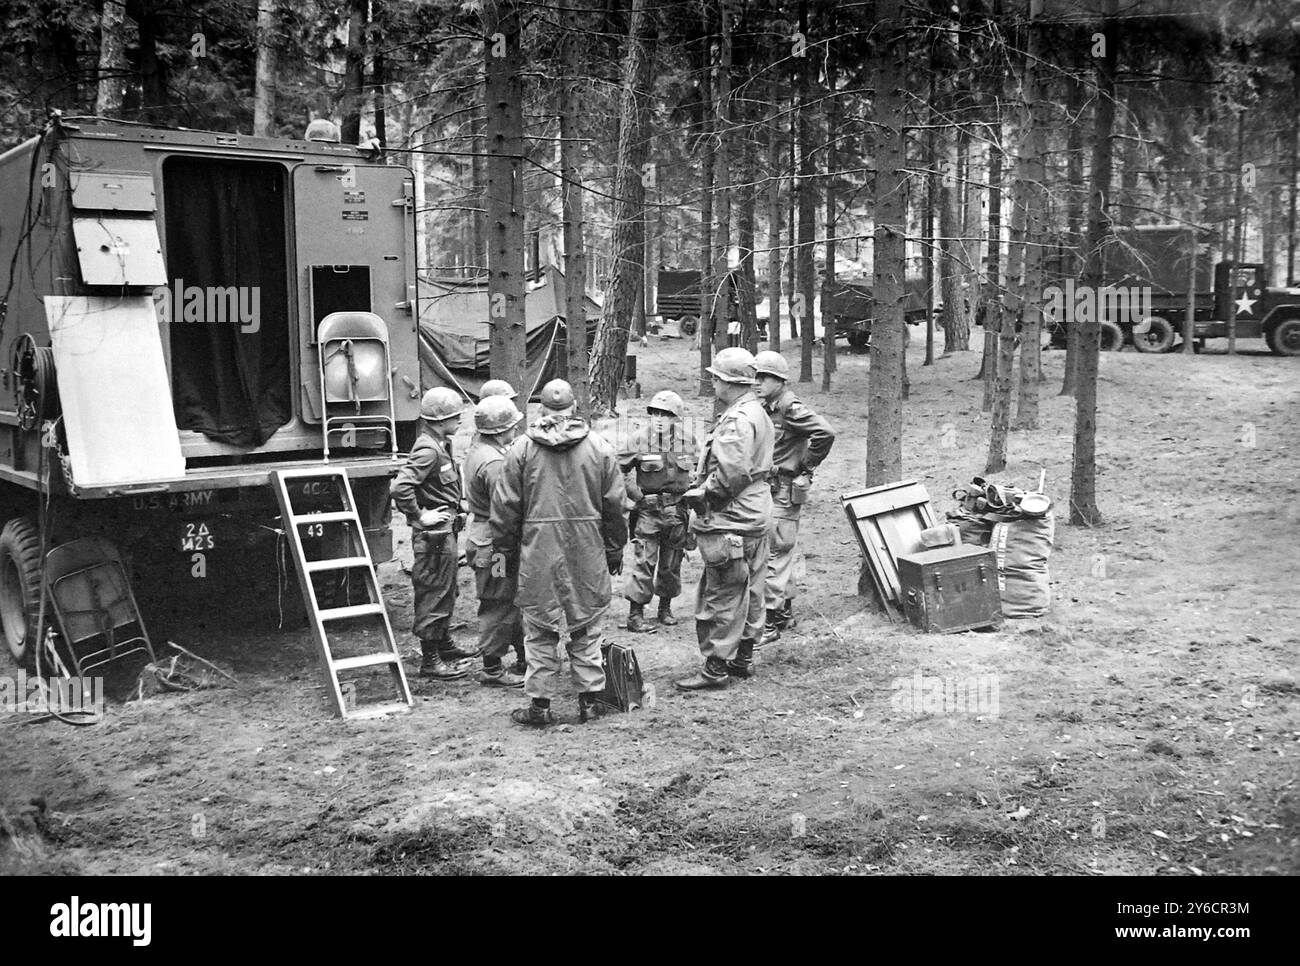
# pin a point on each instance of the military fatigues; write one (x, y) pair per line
(802, 441)
(558, 504)
(430, 480)
(657, 469)
(731, 531)
(496, 574)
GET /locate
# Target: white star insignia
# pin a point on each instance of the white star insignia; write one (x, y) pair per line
(1245, 304)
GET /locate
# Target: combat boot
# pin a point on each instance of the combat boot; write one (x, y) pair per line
(713, 676)
(520, 666)
(787, 615)
(450, 651)
(589, 707)
(636, 619)
(666, 617)
(743, 665)
(536, 715)
(499, 676)
(772, 629)
(440, 670)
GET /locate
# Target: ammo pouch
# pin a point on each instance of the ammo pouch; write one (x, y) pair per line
(799, 488)
(479, 555)
(791, 489)
(720, 549)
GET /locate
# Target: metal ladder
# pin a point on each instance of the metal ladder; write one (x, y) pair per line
(358, 559)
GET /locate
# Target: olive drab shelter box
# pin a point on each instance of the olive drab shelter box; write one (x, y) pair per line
(160, 360)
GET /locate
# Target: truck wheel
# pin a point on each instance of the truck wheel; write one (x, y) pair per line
(1286, 338)
(1112, 336)
(20, 588)
(688, 324)
(1158, 335)
(860, 342)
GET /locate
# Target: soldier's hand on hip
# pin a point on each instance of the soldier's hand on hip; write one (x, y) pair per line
(435, 518)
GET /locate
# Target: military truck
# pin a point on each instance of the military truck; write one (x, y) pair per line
(1150, 272)
(162, 296)
(852, 308)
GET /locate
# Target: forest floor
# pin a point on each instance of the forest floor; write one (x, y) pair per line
(1149, 723)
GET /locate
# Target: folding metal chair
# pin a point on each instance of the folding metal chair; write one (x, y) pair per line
(355, 376)
(93, 602)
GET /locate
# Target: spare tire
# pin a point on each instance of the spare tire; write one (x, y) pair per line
(1112, 336)
(688, 324)
(20, 588)
(1153, 334)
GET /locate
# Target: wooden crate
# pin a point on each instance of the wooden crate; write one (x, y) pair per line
(950, 589)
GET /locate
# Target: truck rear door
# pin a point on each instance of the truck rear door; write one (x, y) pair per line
(354, 248)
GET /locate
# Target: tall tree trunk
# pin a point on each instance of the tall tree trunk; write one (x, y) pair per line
(748, 199)
(807, 207)
(723, 288)
(354, 63)
(575, 253)
(624, 288)
(1074, 210)
(884, 462)
(504, 102)
(775, 215)
(1083, 475)
(992, 295)
(828, 283)
(478, 168)
(1010, 322)
(112, 60)
(1238, 219)
(956, 329)
(707, 282)
(379, 82)
(1031, 301)
(153, 89)
(264, 83)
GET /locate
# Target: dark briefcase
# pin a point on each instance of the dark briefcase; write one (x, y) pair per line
(950, 588)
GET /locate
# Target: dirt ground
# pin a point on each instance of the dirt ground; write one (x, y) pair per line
(1150, 723)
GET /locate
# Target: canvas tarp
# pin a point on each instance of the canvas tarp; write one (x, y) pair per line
(454, 335)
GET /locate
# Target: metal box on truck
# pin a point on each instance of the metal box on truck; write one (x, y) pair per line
(160, 295)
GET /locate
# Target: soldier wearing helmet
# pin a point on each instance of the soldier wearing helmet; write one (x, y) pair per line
(733, 502)
(496, 576)
(803, 439)
(657, 462)
(427, 490)
(558, 505)
(497, 387)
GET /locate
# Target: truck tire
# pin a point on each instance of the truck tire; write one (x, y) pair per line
(1285, 338)
(1112, 336)
(20, 588)
(688, 324)
(1157, 335)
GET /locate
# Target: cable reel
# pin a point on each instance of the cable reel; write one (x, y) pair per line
(36, 388)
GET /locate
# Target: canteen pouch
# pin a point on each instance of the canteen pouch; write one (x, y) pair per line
(799, 488)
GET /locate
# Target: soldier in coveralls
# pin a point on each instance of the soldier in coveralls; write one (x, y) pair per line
(733, 504)
(427, 490)
(558, 505)
(657, 464)
(803, 439)
(496, 576)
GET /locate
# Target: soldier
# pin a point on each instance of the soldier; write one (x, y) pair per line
(497, 387)
(657, 465)
(558, 505)
(495, 576)
(802, 441)
(427, 490)
(733, 503)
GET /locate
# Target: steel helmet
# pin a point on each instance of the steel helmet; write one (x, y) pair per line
(497, 387)
(734, 365)
(441, 403)
(495, 414)
(667, 401)
(322, 129)
(557, 395)
(772, 364)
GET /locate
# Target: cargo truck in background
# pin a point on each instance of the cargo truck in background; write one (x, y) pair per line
(161, 293)
(1153, 279)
